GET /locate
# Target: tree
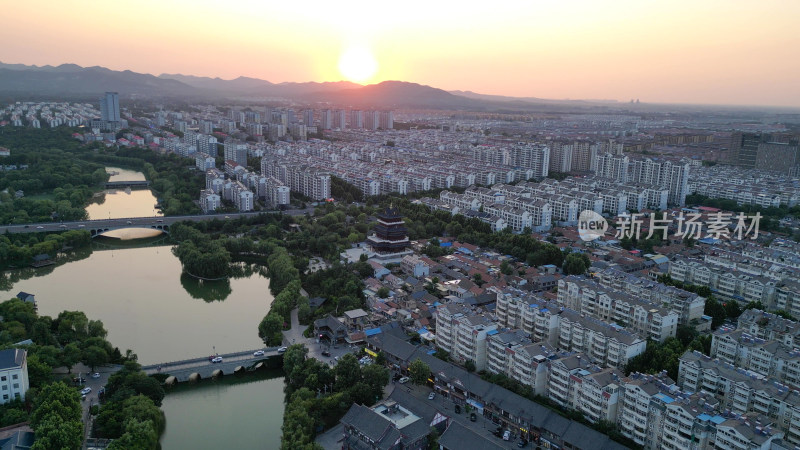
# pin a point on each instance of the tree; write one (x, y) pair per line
(732, 309)
(376, 377)
(348, 372)
(383, 292)
(576, 264)
(716, 311)
(71, 356)
(270, 326)
(420, 372)
(95, 356)
(433, 439)
(470, 365)
(39, 373)
(139, 435)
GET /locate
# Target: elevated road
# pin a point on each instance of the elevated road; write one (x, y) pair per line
(155, 222)
(204, 368)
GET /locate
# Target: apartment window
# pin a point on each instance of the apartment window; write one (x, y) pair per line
(4, 378)
(5, 388)
(14, 377)
(16, 385)
(5, 397)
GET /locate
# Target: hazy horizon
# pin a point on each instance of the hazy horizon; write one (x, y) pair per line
(704, 53)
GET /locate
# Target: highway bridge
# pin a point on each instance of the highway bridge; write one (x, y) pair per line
(202, 368)
(98, 227)
(126, 184)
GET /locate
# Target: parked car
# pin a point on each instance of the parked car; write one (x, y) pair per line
(95, 375)
(473, 417)
(326, 353)
(258, 353)
(218, 359)
(457, 409)
(282, 350)
(522, 443)
(404, 380)
(507, 435)
(79, 380)
(86, 390)
(432, 396)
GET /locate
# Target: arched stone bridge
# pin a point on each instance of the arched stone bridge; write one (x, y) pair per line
(202, 368)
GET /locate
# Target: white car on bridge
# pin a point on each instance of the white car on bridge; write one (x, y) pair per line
(218, 359)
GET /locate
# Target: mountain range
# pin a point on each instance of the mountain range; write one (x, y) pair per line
(74, 80)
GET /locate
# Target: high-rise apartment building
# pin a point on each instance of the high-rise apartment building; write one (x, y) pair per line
(109, 107)
(356, 119)
(308, 117)
(326, 119)
(386, 120)
(235, 151)
(340, 119)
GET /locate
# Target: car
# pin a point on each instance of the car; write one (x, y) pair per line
(326, 353)
(218, 359)
(40, 227)
(227, 217)
(81, 226)
(507, 435)
(522, 443)
(62, 226)
(95, 375)
(473, 417)
(79, 380)
(160, 221)
(432, 396)
(404, 380)
(282, 350)
(258, 353)
(27, 226)
(129, 222)
(457, 409)
(86, 390)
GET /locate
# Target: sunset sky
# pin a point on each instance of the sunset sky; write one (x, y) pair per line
(699, 51)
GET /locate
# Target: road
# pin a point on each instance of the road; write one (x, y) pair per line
(134, 222)
(246, 355)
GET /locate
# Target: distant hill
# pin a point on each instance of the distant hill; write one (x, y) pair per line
(72, 79)
(399, 93)
(258, 87)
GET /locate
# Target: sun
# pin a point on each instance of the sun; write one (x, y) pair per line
(357, 64)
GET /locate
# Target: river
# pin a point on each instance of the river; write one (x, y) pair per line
(121, 203)
(136, 288)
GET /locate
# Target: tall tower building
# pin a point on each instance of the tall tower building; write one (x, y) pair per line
(326, 119)
(340, 119)
(387, 120)
(308, 117)
(356, 119)
(109, 107)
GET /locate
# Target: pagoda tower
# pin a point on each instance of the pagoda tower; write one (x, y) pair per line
(390, 238)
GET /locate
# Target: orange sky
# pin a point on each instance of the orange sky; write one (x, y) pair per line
(699, 51)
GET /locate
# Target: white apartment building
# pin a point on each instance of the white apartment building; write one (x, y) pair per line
(209, 200)
(203, 161)
(13, 374)
(647, 319)
(463, 334)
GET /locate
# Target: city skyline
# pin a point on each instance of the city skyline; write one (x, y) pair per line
(707, 53)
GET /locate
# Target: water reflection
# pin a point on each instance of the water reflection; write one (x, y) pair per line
(218, 290)
(122, 203)
(210, 291)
